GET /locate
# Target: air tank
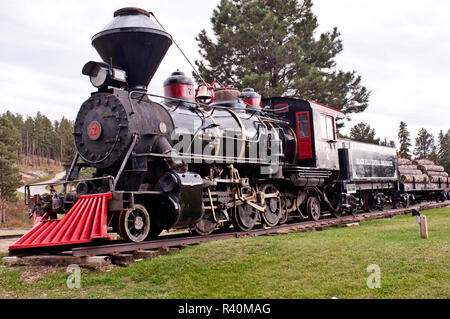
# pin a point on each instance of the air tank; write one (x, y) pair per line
(133, 42)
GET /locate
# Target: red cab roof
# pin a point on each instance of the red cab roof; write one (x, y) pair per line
(326, 109)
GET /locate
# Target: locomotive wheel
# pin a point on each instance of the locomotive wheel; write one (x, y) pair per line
(134, 224)
(379, 203)
(205, 226)
(405, 203)
(284, 214)
(395, 201)
(244, 217)
(313, 208)
(271, 216)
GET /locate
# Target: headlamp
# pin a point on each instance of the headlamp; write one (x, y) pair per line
(102, 74)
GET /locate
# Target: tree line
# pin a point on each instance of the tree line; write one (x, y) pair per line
(38, 138)
(426, 146)
(362, 132)
(29, 141)
(9, 174)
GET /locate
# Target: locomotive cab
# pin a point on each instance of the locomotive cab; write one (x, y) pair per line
(314, 128)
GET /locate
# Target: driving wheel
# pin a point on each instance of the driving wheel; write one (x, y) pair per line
(271, 215)
(245, 217)
(206, 225)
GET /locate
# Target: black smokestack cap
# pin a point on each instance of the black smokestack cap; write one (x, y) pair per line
(135, 43)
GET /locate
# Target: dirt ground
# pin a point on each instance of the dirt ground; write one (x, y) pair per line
(5, 243)
(19, 231)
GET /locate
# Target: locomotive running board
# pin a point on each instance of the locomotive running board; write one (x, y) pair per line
(85, 222)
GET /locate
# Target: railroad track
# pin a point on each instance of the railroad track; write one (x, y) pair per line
(127, 253)
(10, 236)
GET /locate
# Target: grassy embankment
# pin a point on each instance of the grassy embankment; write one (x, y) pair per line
(331, 263)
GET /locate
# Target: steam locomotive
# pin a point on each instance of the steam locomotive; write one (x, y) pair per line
(202, 158)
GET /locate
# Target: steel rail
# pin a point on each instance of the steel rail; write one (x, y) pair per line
(113, 249)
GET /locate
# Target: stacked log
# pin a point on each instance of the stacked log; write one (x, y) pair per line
(423, 162)
(435, 179)
(433, 171)
(409, 172)
(404, 161)
(419, 178)
(430, 168)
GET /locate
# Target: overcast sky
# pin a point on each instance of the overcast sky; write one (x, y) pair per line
(400, 48)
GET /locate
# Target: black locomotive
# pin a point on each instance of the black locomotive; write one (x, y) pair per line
(208, 158)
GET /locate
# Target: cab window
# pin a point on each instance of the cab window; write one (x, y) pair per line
(303, 125)
(327, 127)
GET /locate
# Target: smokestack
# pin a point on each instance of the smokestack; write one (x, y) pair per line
(134, 43)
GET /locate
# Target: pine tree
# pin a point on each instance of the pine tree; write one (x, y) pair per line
(444, 150)
(9, 175)
(434, 156)
(66, 144)
(28, 128)
(272, 46)
(17, 121)
(362, 132)
(39, 137)
(404, 141)
(389, 143)
(424, 144)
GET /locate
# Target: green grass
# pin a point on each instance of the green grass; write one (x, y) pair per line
(324, 264)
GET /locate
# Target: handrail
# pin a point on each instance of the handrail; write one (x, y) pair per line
(65, 182)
